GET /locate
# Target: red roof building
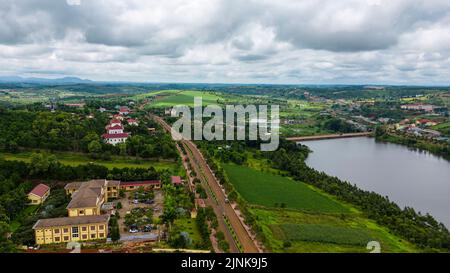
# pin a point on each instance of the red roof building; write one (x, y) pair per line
(112, 136)
(115, 121)
(132, 121)
(39, 194)
(176, 180)
(149, 184)
(116, 127)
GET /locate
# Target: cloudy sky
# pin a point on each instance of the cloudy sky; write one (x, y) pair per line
(228, 41)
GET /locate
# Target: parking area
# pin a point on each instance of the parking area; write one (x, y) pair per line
(137, 216)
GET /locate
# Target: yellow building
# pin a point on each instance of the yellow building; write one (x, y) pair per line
(85, 221)
(71, 229)
(147, 185)
(38, 195)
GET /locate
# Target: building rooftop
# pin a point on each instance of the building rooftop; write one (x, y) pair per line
(68, 221)
(141, 183)
(40, 190)
(122, 135)
(176, 180)
(88, 194)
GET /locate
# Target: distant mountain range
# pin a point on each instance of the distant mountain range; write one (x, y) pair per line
(59, 81)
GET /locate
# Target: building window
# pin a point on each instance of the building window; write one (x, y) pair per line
(92, 236)
(100, 227)
(75, 232)
(56, 239)
(66, 230)
(101, 235)
(84, 236)
(57, 231)
(81, 211)
(66, 238)
(92, 228)
(83, 229)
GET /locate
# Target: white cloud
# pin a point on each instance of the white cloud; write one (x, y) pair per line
(73, 2)
(280, 41)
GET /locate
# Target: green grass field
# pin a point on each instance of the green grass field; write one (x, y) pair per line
(444, 128)
(185, 98)
(73, 159)
(323, 233)
(189, 226)
(271, 190)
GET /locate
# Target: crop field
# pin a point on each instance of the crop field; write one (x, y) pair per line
(185, 98)
(73, 159)
(322, 233)
(444, 128)
(271, 190)
(303, 232)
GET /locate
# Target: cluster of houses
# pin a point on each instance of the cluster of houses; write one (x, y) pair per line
(419, 128)
(418, 107)
(115, 130)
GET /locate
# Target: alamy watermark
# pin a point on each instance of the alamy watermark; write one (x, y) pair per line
(232, 127)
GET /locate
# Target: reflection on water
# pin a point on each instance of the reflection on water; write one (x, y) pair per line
(408, 177)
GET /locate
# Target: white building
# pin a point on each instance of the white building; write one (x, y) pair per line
(115, 139)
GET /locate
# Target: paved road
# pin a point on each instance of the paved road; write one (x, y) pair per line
(211, 202)
(331, 136)
(221, 207)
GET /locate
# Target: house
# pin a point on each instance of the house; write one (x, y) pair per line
(71, 229)
(75, 105)
(426, 122)
(431, 133)
(118, 117)
(124, 110)
(115, 139)
(116, 129)
(132, 122)
(150, 184)
(115, 133)
(38, 195)
(176, 180)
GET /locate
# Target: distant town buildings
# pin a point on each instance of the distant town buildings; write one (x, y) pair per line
(418, 107)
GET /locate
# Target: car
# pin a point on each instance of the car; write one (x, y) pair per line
(149, 202)
(134, 230)
(135, 201)
(147, 228)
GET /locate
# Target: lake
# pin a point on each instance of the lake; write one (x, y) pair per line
(408, 177)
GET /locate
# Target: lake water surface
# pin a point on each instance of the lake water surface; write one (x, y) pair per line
(410, 178)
